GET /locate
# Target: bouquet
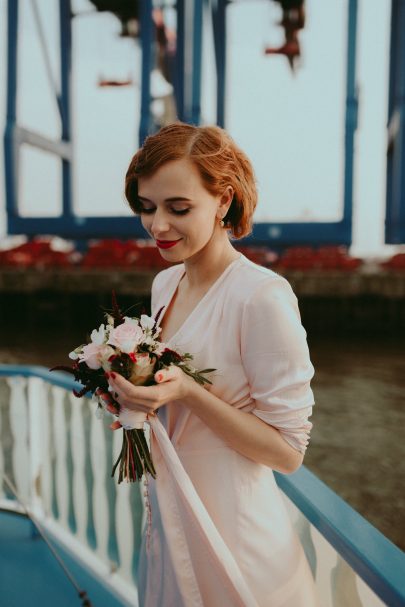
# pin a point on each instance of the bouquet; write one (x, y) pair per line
(131, 347)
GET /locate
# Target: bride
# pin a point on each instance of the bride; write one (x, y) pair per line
(218, 533)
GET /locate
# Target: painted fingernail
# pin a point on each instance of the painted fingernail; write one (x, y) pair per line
(112, 375)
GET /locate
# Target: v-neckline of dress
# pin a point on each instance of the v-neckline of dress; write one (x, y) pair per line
(200, 302)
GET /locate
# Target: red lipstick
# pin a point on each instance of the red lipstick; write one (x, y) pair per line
(166, 244)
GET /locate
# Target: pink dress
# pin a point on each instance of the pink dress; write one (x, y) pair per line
(220, 532)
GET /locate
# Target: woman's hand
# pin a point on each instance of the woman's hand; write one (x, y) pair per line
(172, 385)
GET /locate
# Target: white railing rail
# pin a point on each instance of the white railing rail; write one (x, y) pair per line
(60, 456)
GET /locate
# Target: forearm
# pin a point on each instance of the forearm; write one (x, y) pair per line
(243, 431)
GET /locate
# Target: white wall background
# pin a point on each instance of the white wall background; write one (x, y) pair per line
(291, 125)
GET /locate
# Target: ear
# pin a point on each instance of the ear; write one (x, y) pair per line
(225, 200)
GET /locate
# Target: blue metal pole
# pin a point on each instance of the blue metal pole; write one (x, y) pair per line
(351, 119)
(146, 41)
(65, 24)
(219, 27)
(399, 200)
(10, 151)
(390, 187)
(197, 61)
(395, 188)
(180, 59)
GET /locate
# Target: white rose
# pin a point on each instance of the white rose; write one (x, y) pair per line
(160, 348)
(147, 322)
(98, 335)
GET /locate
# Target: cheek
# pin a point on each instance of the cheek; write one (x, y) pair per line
(146, 222)
(203, 225)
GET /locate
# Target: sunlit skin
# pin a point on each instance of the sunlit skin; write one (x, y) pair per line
(206, 251)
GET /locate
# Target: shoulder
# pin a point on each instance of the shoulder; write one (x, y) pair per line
(256, 286)
(269, 311)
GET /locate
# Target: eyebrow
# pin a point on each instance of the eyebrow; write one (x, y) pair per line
(172, 199)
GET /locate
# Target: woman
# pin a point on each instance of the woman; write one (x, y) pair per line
(219, 534)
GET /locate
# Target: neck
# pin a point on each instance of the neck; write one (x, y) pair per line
(204, 268)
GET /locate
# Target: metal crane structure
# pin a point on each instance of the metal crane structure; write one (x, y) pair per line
(182, 64)
(395, 188)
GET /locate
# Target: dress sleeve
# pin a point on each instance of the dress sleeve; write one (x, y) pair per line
(276, 360)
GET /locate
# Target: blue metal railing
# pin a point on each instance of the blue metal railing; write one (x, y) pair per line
(377, 561)
(371, 555)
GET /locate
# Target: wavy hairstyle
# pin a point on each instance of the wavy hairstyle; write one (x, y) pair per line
(218, 159)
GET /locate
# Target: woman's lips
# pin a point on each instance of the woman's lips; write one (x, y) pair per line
(166, 244)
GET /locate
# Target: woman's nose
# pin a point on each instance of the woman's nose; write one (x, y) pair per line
(160, 222)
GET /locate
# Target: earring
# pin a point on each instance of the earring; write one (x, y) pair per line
(221, 223)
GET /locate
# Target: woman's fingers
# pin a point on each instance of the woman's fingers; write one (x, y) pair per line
(112, 409)
(115, 425)
(106, 396)
(144, 396)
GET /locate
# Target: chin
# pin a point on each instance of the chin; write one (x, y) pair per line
(171, 255)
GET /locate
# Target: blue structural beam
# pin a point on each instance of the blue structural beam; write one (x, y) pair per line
(15, 135)
(351, 115)
(279, 235)
(65, 28)
(179, 61)
(79, 227)
(10, 148)
(131, 227)
(187, 87)
(189, 60)
(219, 29)
(195, 109)
(147, 30)
(395, 188)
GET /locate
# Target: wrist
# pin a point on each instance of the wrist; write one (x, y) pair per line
(193, 394)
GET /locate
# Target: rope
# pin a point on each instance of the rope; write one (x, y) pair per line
(81, 593)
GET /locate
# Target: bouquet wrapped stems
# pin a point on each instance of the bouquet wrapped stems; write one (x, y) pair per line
(131, 347)
(134, 459)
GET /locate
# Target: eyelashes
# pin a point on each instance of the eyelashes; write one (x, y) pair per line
(150, 211)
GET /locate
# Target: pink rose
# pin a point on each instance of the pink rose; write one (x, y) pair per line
(126, 336)
(95, 355)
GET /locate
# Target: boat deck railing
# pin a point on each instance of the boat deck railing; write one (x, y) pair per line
(59, 456)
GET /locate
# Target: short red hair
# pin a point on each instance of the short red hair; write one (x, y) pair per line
(218, 159)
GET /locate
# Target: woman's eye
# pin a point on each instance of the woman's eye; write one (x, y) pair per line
(175, 211)
(180, 212)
